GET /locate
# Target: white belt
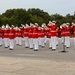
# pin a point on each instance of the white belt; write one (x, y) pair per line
(53, 31)
(11, 34)
(67, 32)
(35, 33)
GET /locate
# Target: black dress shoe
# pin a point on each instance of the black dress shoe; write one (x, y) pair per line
(26, 47)
(45, 43)
(50, 47)
(53, 49)
(35, 49)
(42, 46)
(31, 48)
(6, 47)
(68, 47)
(39, 45)
(10, 49)
(20, 45)
(0, 45)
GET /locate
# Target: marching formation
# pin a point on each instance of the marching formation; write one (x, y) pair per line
(35, 36)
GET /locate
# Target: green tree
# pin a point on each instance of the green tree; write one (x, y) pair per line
(0, 21)
(5, 20)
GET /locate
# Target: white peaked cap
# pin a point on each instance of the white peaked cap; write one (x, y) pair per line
(7, 26)
(36, 23)
(12, 25)
(16, 27)
(31, 24)
(72, 23)
(50, 22)
(27, 25)
(21, 24)
(53, 21)
(61, 25)
(3, 26)
(42, 25)
(68, 23)
(64, 24)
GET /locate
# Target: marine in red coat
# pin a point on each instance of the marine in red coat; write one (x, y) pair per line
(12, 33)
(53, 30)
(1, 31)
(6, 37)
(35, 37)
(30, 32)
(25, 34)
(6, 33)
(11, 37)
(53, 36)
(30, 36)
(1, 36)
(73, 28)
(35, 32)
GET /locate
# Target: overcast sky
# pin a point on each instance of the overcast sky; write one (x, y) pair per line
(61, 7)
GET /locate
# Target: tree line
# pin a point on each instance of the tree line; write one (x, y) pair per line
(22, 16)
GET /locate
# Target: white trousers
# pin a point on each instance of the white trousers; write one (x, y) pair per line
(20, 41)
(30, 43)
(67, 41)
(56, 40)
(6, 42)
(0, 41)
(74, 41)
(42, 42)
(45, 39)
(11, 43)
(26, 42)
(39, 41)
(17, 40)
(50, 45)
(23, 39)
(53, 42)
(62, 39)
(35, 40)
